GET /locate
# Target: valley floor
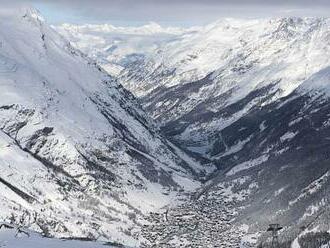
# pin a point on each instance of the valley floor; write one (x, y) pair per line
(203, 222)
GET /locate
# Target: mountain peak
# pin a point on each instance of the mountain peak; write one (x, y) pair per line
(32, 14)
(16, 14)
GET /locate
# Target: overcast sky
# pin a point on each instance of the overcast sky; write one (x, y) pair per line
(172, 12)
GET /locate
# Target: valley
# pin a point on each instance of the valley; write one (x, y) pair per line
(156, 136)
(250, 98)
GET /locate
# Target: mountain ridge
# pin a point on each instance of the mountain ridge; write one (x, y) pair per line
(79, 157)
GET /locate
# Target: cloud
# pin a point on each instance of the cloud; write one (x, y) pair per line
(190, 11)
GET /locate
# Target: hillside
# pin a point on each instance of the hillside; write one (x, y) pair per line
(79, 157)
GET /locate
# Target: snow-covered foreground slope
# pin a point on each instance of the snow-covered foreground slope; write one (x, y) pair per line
(252, 97)
(11, 238)
(78, 156)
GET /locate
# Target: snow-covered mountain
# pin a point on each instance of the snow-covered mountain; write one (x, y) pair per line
(188, 83)
(251, 97)
(114, 47)
(78, 156)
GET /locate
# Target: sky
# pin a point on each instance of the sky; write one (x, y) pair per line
(171, 12)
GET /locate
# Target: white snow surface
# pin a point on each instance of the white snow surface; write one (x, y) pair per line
(9, 240)
(288, 136)
(84, 156)
(248, 164)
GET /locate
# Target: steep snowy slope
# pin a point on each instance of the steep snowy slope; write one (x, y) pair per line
(11, 237)
(78, 156)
